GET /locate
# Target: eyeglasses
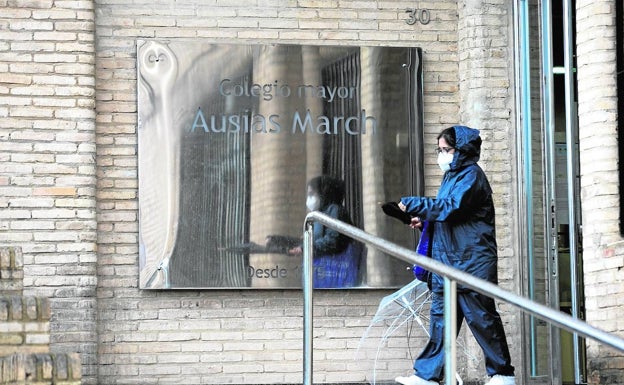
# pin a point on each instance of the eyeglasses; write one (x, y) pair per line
(445, 150)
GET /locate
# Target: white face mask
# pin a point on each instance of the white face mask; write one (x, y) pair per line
(444, 161)
(313, 203)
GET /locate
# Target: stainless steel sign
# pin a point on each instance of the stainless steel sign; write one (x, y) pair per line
(230, 134)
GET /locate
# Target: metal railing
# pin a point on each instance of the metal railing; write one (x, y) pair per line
(451, 276)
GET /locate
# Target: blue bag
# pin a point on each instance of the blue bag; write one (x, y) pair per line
(424, 248)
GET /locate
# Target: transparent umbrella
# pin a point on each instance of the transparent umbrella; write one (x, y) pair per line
(403, 308)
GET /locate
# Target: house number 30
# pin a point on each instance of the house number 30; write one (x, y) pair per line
(414, 15)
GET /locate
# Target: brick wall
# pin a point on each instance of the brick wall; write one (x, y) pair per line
(63, 59)
(225, 336)
(603, 247)
(47, 161)
(241, 336)
(486, 102)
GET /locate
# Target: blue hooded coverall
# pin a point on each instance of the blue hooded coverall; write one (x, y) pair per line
(463, 237)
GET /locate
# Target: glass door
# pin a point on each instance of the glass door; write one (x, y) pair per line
(548, 185)
(536, 197)
(568, 220)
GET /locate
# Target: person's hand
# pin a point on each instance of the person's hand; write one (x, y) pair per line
(416, 223)
(295, 251)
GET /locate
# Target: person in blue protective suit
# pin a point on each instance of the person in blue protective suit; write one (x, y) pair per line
(336, 256)
(463, 237)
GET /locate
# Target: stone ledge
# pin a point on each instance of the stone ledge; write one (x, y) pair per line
(11, 270)
(24, 325)
(43, 369)
(24, 309)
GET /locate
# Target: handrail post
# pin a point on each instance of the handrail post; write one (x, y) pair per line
(450, 330)
(306, 276)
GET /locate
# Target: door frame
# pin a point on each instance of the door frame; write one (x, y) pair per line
(525, 120)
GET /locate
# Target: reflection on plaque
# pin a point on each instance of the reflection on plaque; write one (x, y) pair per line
(229, 137)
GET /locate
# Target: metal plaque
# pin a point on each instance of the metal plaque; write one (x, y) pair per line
(230, 134)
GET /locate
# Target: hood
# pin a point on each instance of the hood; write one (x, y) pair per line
(468, 146)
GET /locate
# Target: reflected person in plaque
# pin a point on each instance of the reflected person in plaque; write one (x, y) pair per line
(336, 256)
(463, 237)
